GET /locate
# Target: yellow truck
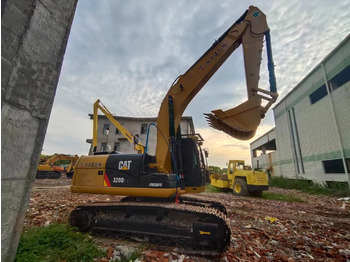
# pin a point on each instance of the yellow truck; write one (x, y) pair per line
(241, 179)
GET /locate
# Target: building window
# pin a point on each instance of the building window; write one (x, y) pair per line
(116, 146)
(143, 129)
(103, 147)
(239, 166)
(117, 131)
(340, 79)
(318, 94)
(106, 129)
(333, 166)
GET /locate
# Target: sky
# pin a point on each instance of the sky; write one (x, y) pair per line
(128, 53)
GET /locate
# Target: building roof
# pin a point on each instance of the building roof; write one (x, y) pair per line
(268, 132)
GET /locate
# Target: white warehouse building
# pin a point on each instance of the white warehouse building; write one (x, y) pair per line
(113, 140)
(311, 138)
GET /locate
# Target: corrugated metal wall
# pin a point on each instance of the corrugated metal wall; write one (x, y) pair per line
(309, 133)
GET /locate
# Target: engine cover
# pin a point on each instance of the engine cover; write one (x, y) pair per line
(131, 170)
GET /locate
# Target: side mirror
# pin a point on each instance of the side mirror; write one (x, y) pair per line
(136, 139)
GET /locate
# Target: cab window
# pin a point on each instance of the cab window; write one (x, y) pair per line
(231, 168)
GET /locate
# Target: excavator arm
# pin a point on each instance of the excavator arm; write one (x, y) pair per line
(53, 159)
(240, 122)
(131, 138)
(73, 161)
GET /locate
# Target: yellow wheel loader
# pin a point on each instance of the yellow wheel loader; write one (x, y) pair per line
(241, 179)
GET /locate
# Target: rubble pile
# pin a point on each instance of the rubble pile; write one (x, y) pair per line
(317, 229)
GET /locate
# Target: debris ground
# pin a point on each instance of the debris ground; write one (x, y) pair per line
(317, 229)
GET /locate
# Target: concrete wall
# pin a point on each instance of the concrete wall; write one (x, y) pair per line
(34, 36)
(264, 155)
(268, 163)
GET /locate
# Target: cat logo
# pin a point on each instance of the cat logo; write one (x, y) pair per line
(124, 165)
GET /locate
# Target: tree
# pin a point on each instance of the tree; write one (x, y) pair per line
(215, 169)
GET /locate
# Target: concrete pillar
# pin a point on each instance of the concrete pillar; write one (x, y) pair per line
(34, 36)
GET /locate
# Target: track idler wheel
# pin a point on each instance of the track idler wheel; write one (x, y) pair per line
(81, 219)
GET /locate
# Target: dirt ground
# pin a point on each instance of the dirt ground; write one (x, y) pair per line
(317, 229)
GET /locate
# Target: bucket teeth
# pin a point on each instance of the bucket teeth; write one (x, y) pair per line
(219, 124)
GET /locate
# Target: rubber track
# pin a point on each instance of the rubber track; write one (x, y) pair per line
(203, 201)
(48, 175)
(104, 212)
(193, 200)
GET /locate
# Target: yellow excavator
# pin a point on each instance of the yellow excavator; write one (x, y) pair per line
(156, 206)
(134, 139)
(47, 168)
(70, 168)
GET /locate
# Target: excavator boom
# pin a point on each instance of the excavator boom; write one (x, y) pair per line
(131, 138)
(240, 122)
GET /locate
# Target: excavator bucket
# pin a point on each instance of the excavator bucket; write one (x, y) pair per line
(240, 122)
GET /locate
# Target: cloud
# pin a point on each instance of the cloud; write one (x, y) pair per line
(244, 147)
(68, 132)
(128, 53)
(223, 147)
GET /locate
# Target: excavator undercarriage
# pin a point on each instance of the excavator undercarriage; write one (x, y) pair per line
(193, 225)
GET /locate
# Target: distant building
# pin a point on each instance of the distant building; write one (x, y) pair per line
(263, 152)
(311, 139)
(113, 140)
